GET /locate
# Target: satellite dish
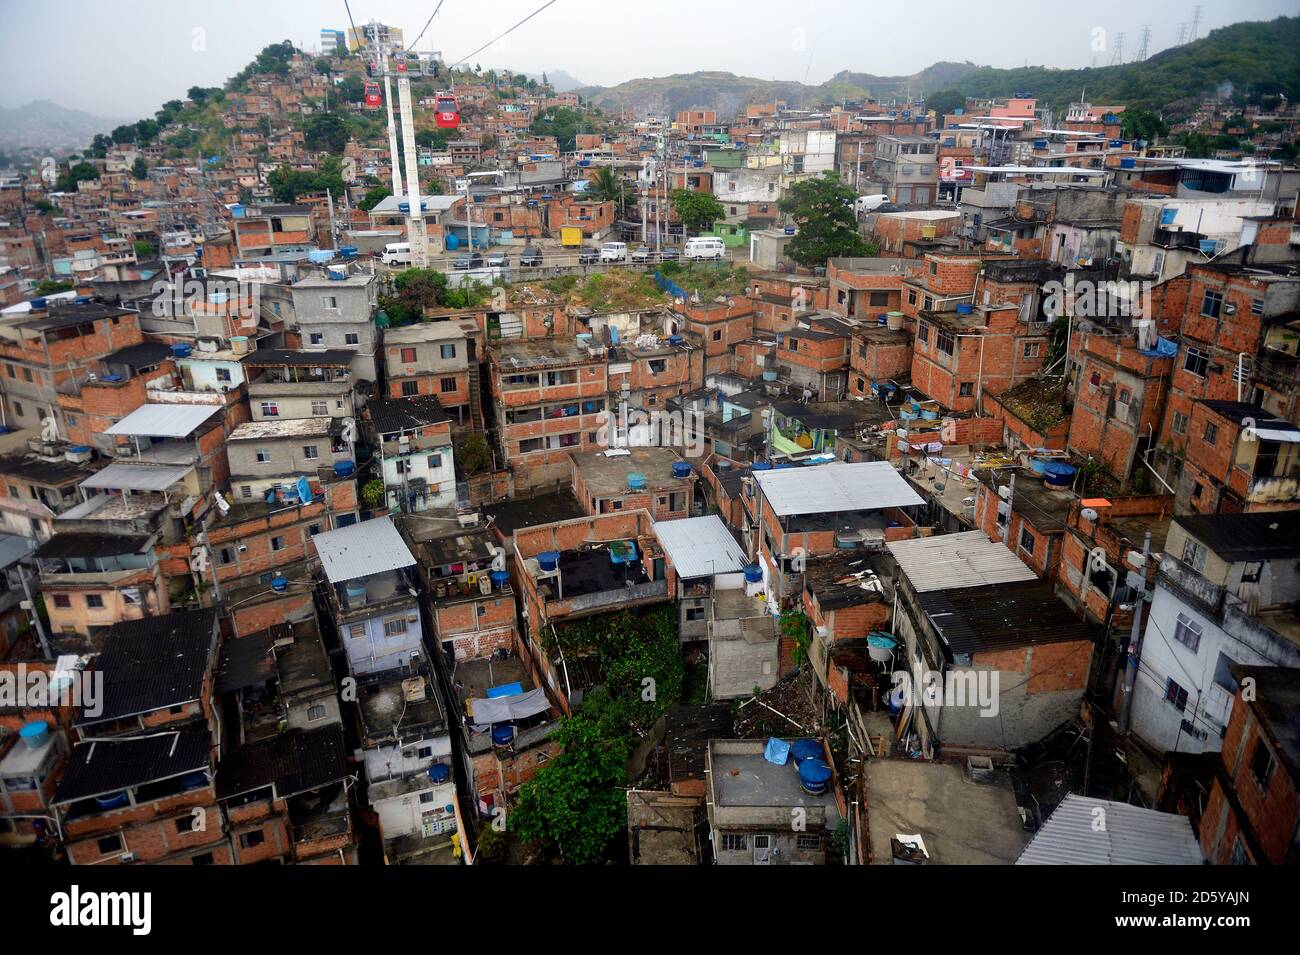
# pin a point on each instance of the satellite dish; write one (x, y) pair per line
(1089, 515)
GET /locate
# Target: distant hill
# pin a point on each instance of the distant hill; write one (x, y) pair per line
(43, 126)
(1247, 57)
(560, 80)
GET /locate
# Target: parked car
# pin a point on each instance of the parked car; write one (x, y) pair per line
(642, 253)
(467, 260)
(498, 260)
(669, 254)
(588, 256)
(531, 257)
(705, 247)
(613, 252)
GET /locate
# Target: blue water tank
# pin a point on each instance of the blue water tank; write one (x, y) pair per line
(499, 579)
(279, 584)
(503, 734)
(35, 734)
(1058, 475)
(348, 251)
(38, 303)
(802, 749)
(548, 560)
(181, 350)
(814, 776)
(753, 574)
(439, 773)
(452, 241)
(636, 481)
(762, 466)
(112, 800)
(113, 379)
(344, 469)
(681, 469)
(965, 308)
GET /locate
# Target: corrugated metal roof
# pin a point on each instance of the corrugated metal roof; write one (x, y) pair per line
(823, 488)
(952, 561)
(1077, 833)
(700, 546)
(136, 477)
(359, 550)
(164, 421)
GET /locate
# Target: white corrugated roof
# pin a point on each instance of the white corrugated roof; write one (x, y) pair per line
(1086, 831)
(700, 546)
(164, 421)
(822, 488)
(370, 547)
(136, 477)
(952, 561)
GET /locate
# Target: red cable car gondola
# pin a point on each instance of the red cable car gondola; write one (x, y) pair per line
(373, 98)
(446, 110)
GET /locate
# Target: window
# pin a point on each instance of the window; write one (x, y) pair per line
(223, 374)
(808, 841)
(226, 555)
(320, 409)
(794, 344)
(110, 844)
(410, 389)
(250, 839)
(246, 490)
(317, 338)
(270, 409)
(1197, 362)
(94, 601)
(448, 351)
(1193, 555)
(1211, 433)
(357, 630)
(1261, 764)
(911, 296)
(1211, 303)
(879, 299)
(263, 455)
(446, 385)
(185, 824)
(310, 452)
(966, 389)
(426, 797)
(204, 859)
(329, 301)
(435, 462)
(408, 356)
(1175, 695)
(694, 613)
(1257, 306)
(1187, 632)
(923, 332)
(395, 626)
(277, 543)
(1180, 423)
(351, 338)
(62, 601)
(1197, 491)
(927, 303)
(735, 841)
(1026, 540)
(1033, 349)
(717, 334)
(946, 341)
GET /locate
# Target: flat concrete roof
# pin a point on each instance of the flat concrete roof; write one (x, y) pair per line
(747, 780)
(962, 822)
(607, 476)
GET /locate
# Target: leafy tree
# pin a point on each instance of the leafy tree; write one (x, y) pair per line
(323, 66)
(200, 95)
(473, 455)
(606, 186)
(126, 133)
(143, 249)
(373, 197)
(945, 102)
(373, 494)
(146, 131)
(432, 138)
(78, 172)
(139, 168)
(351, 89)
(575, 802)
(53, 287)
(697, 210)
(1142, 124)
(325, 132)
(288, 184)
(561, 122)
(414, 290)
(99, 145)
(822, 209)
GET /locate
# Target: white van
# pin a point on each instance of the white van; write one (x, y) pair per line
(705, 247)
(613, 252)
(396, 253)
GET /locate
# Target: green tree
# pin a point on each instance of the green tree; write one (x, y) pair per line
(562, 123)
(77, 172)
(373, 197)
(607, 186)
(325, 132)
(414, 290)
(139, 168)
(697, 210)
(473, 455)
(143, 249)
(945, 102)
(1142, 124)
(822, 209)
(576, 801)
(323, 66)
(351, 89)
(431, 138)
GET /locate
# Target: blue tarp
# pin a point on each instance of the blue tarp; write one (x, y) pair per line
(505, 689)
(778, 751)
(1164, 349)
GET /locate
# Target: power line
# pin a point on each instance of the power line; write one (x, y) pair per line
(503, 35)
(351, 22)
(426, 26)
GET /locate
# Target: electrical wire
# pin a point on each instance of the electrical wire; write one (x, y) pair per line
(501, 36)
(425, 27)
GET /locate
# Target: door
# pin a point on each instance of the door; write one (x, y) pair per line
(762, 850)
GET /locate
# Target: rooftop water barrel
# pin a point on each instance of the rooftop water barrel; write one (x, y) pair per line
(194, 780)
(356, 591)
(636, 481)
(762, 466)
(181, 350)
(965, 308)
(439, 773)
(1207, 246)
(548, 560)
(753, 573)
(814, 776)
(802, 749)
(112, 800)
(499, 579)
(681, 469)
(894, 320)
(37, 304)
(503, 734)
(279, 584)
(35, 734)
(722, 464)
(880, 647)
(452, 241)
(1128, 163)
(344, 469)
(1057, 474)
(769, 376)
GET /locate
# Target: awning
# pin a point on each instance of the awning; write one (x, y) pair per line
(503, 709)
(136, 477)
(164, 421)
(1274, 434)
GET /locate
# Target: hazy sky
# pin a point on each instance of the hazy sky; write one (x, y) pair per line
(124, 59)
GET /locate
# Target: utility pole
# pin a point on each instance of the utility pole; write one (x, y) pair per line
(381, 60)
(1134, 642)
(415, 234)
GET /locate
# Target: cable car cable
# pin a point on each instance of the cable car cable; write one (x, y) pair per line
(503, 35)
(426, 26)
